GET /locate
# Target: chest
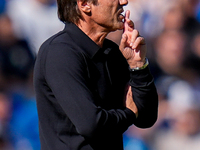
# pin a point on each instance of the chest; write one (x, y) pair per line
(108, 78)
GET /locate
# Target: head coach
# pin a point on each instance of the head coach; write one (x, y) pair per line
(88, 89)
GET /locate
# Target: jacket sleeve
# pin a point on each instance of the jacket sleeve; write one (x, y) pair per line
(145, 97)
(66, 75)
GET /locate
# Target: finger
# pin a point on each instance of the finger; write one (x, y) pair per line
(126, 24)
(127, 14)
(139, 41)
(129, 25)
(135, 34)
(123, 42)
(128, 21)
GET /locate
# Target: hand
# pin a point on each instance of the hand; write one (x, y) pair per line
(132, 45)
(129, 103)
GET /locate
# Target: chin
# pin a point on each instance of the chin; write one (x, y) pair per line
(121, 26)
(117, 26)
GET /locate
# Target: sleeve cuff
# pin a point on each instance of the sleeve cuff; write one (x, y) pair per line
(141, 78)
(131, 115)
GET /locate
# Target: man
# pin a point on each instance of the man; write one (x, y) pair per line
(80, 79)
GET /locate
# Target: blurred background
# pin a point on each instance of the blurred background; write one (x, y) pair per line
(172, 32)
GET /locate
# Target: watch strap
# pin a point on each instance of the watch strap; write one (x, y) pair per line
(140, 68)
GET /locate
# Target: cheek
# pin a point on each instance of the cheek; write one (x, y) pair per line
(102, 16)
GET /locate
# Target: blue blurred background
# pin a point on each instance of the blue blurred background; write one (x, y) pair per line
(172, 32)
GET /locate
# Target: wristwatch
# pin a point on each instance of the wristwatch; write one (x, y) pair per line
(140, 68)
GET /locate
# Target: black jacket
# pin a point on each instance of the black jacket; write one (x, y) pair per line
(80, 90)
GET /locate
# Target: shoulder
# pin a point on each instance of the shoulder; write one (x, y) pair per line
(59, 45)
(60, 52)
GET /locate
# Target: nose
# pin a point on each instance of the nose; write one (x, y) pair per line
(123, 2)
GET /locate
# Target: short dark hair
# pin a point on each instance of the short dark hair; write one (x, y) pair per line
(68, 10)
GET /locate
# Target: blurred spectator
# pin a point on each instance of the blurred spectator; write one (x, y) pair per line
(16, 59)
(171, 55)
(34, 20)
(170, 52)
(174, 17)
(16, 67)
(184, 134)
(184, 117)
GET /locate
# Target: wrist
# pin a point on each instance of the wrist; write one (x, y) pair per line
(139, 66)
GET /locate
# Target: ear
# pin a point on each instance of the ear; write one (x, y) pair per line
(84, 6)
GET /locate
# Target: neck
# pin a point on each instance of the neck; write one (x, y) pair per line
(95, 32)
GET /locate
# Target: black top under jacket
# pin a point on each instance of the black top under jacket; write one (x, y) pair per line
(80, 90)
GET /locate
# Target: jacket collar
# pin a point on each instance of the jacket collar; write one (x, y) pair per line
(84, 42)
(81, 39)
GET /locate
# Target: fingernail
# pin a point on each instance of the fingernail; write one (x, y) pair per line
(133, 46)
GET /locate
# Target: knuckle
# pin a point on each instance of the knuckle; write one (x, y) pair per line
(136, 32)
(141, 40)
